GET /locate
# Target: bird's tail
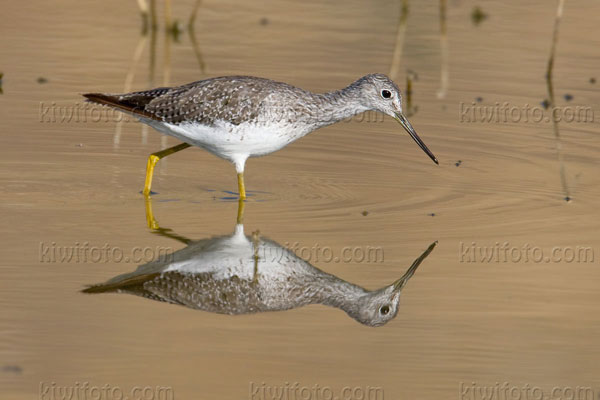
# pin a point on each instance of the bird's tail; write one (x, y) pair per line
(127, 103)
(119, 284)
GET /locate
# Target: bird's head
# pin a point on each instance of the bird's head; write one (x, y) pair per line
(380, 93)
(378, 307)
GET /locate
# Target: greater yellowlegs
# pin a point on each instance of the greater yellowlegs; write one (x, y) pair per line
(237, 117)
(239, 274)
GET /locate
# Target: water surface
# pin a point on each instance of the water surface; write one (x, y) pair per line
(462, 319)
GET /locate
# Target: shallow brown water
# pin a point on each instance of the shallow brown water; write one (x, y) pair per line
(478, 322)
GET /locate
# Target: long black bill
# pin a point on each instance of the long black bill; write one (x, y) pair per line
(413, 134)
(399, 284)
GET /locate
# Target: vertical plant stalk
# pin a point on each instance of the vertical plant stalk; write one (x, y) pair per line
(164, 139)
(552, 103)
(144, 12)
(193, 14)
(444, 77)
(411, 76)
(193, 40)
(153, 19)
(168, 16)
(137, 55)
(400, 35)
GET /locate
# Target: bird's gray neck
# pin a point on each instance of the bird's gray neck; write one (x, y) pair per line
(338, 105)
(334, 292)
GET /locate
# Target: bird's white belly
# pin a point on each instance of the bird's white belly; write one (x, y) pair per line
(229, 258)
(233, 142)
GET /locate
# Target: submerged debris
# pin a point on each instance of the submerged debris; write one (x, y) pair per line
(175, 30)
(479, 99)
(592, 80)
(477, 16)
(568, 97)
(458, 163)
(1, 76)
(264, 21)
(431, 214)
(365, 213)
(568, 199)
(545, 103)
(15, 369)
(41, 80)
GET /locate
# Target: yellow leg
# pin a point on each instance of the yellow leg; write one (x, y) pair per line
(153, 159)
(241, 186)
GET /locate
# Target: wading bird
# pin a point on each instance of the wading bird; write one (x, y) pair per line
(237, 117)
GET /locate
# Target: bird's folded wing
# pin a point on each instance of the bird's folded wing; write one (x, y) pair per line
(231, 100)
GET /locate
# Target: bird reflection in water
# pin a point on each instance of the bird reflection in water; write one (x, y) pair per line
(239, 274)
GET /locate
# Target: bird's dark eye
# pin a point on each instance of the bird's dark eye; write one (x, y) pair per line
(386, 94)
(384, 310)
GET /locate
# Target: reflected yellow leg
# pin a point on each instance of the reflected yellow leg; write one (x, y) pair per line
(152, 224)
(241, 186)
(240, 214)
(153, 159)
(255, 243)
